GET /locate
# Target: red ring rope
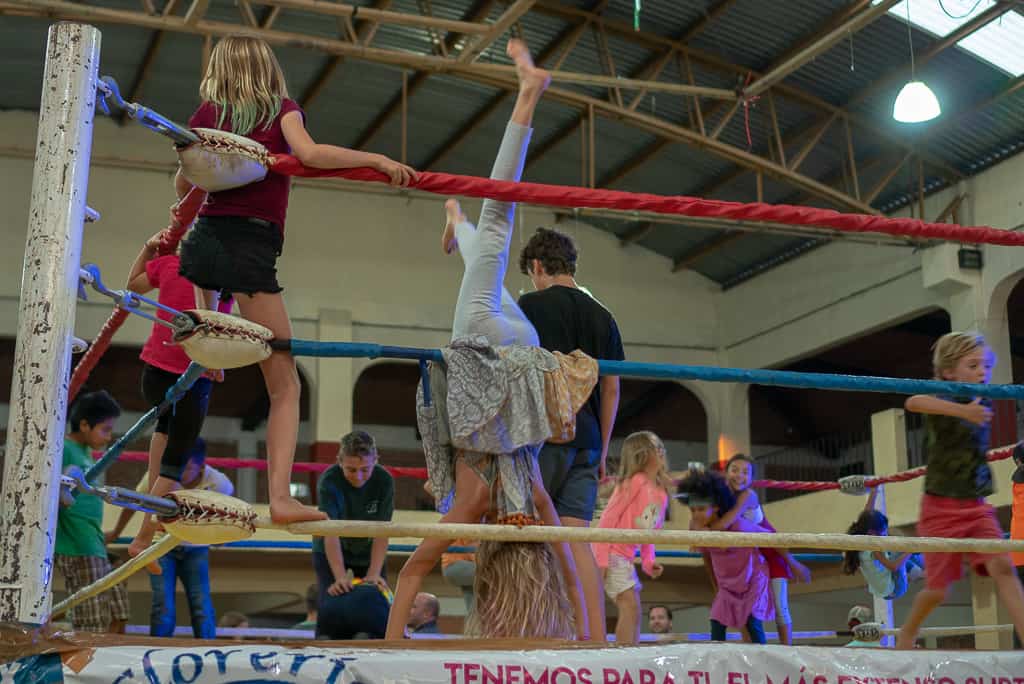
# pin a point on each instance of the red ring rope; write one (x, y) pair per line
(570, 196)
(182, 215)
(998, 454)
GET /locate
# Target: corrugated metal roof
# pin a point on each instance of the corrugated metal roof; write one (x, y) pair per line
(750, 33)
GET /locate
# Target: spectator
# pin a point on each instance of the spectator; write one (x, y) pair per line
(355, 488)
(1017, 517)
(188, 562)
(423, 617)
(361, 613)
(859, 615)
(659, 620)
(80, 550)
(312, 604)
(567, 319)
(235, 620)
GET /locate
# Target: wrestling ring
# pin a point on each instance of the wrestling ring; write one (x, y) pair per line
(40, 398)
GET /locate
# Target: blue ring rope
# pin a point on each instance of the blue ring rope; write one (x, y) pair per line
(828, 381)
(299, 545)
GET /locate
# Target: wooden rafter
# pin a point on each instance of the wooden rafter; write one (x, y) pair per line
(709, 61)
(331, 64)
(562, 44)
(651, 69)
(477, 12)
(705, 248)
(637, 233)
(510, 16)
(818, 46)
(196, 11)
(487, 74)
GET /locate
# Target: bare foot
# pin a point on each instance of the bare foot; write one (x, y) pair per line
(288, 510)
(530, 77)
(142, 542)
(905, 642)
(454, 215)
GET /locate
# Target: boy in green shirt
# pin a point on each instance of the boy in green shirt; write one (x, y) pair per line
(80, 552)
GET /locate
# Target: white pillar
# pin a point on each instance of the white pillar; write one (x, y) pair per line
(987, 609)
(42, 357)
(335, 382)
(248, 448)
(889, 451)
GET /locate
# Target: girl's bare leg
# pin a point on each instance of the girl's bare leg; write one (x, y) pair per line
(1009, 589)
(469, 506)
(627, 627)
(282, 380)
(925, 602)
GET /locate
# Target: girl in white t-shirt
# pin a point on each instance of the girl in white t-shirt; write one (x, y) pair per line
(887, 573)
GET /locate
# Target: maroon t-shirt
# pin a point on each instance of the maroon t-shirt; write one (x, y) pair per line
(266, 199)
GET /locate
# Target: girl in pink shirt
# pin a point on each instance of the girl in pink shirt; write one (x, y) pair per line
(743, 599)
(638, 502)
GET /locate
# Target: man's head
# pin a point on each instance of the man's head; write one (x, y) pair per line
(194, 464)
(659, 619)
(425, 609)
(357, 457)
(92, 418)
(858, 615)
(548, 255)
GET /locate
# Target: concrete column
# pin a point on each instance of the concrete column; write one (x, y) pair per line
(987, 609)
(335, 382)
(248, 448)
(728, 415)
(889, 451)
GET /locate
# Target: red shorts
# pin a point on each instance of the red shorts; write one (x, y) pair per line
(942, 516)
(777, 565)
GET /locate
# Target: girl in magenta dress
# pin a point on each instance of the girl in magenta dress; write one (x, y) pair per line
(743, 600)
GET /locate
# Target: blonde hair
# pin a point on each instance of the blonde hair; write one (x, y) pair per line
(636, 450)
(244, 79)
(952, 347)
(508, 572)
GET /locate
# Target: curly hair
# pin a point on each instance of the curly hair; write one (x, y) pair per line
(555, 251)
(708, 485)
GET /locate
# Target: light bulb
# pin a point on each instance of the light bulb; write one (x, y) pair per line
(916, 103)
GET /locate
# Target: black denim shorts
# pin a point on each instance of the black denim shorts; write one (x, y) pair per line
(232, 254)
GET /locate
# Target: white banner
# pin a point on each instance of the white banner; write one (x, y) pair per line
(224, 663)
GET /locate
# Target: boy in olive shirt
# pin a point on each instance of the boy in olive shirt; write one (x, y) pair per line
(80, 552)
(356, 488)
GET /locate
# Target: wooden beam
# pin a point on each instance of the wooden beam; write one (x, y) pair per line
(148, 7)
(196, 11)
(725, 120)
(637, 233)
(818, 46)
(634, 162)
(625, 31)
(705, 248)
(775, 130)
(812, 142)
(270, 18)
(645, 122)
(331, 64)
(951, 209)
(563, 42)
(248, 16)
(601, 39)
(852, 157)
(495, 31)
(337, 9)
(477, 12)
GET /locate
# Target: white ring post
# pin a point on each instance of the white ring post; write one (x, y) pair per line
(42, 357)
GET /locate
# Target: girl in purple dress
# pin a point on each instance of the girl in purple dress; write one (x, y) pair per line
(743, 600)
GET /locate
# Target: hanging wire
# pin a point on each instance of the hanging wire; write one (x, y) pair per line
(953, 16)
(910, 39)
(851, 52)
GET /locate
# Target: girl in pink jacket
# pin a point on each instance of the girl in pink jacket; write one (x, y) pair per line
(638, 503)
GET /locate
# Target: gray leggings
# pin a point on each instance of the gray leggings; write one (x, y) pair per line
(484, 306)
